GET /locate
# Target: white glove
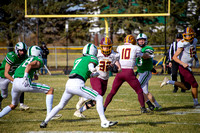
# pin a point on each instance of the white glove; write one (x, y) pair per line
(139, 54)
(152, 56)
(94, 75)
(197, 63)
(26, 82)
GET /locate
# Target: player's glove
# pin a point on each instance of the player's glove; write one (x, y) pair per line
(113, 68)
(139, 54)
(26, 82)
(94, 75)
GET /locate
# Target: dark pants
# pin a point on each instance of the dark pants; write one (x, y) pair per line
(43, 68)
(127, 75)
(174, 73)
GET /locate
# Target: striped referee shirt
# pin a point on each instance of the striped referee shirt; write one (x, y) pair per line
(172, 50)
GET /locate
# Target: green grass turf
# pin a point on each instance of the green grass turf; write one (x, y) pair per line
(177, 114)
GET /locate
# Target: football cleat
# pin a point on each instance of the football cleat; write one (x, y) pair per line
(151, 108)
(196, 106)
(23, 107)
(57, 116)
(108, 124)
(143, 110)
(164, 82)
(80, 103)
(79, 114)
(158, 108)
(43, 124)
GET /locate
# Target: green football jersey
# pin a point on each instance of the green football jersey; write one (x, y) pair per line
(81, 66)
(13, 60)
(19, 73)
(145, 64)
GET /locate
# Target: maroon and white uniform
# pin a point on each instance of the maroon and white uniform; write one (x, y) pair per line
(100, 83)
(127, 60)
(187, 56)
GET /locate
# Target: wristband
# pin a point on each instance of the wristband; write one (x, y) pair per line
(25, 74)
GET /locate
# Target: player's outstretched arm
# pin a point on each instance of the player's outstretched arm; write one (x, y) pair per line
(6, 74)
(34, 64)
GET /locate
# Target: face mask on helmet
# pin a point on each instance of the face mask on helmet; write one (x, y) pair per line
(90, 49)
(142, 36)
(34, 51)
(106, 46)
(129, 39)
(188, 34)
(21, 46)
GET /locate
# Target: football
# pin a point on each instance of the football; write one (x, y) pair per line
(113, 68)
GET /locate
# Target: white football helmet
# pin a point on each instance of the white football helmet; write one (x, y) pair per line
(35, 51)
(20, 46)
(142, 36)
(90, 49)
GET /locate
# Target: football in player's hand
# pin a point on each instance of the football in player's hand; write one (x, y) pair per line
(113, 68)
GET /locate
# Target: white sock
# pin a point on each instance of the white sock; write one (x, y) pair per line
(156, 103)
(21, 104)
(5, 111)
(171, 82)
(100, 109)
(53, 112)
(49, 103)
(195, 101)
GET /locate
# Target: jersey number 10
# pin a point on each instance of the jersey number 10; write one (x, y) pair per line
(126, 52)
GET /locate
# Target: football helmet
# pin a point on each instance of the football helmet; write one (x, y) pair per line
(20, 46)
(188, 34)
(129, 39)
(142, 36)
(35, 51)
(106, 42)
(90, 49)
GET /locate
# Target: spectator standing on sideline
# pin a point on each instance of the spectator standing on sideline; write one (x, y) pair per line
(172, 64)
(45, 53)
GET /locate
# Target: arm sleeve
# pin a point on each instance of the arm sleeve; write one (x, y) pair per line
(91, 67)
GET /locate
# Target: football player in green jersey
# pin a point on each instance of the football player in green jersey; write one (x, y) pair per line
(23, 81)
(84, 68)
(144, 70)
(9, 65)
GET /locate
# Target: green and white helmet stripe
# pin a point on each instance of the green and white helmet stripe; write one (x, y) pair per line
(90, 49)
(142, 36)
(34, 51)
(20, 46)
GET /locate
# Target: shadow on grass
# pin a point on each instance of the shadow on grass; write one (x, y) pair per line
(176, 107)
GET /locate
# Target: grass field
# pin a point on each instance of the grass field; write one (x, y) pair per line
(177, 115)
